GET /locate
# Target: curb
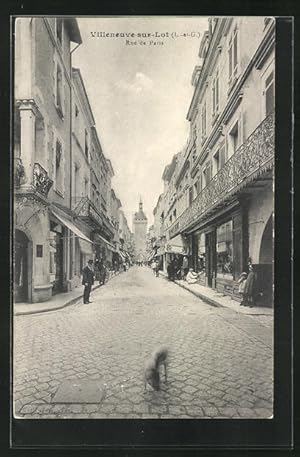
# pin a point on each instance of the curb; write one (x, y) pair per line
(208, 300)
(55, 308)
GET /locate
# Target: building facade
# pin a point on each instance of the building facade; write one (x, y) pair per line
(139, 224)
(42, 148)
(224, 179)
(63, 213)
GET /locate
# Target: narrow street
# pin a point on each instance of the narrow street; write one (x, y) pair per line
(86, 361)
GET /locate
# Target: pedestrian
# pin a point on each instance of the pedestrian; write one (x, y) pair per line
(185, 267)
(87, 281)
(157, 268)
(153, 266)
(242, 282)
(250, 288)
(191, 277)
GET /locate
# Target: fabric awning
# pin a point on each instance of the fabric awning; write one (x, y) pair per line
(109, 245)
(122, 255)
(176, 246)
(71, 226)
(85, 247)
(152, 255)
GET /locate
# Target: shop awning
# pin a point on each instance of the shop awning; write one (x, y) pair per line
(176, 246)
(69, 224)
(152, 255)
(85, 246)
(122, 255)
(109, 245)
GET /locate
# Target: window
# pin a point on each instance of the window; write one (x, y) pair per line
(190, 195)
(201, 252)
(215, 94)
(269, 94)
(224, 250)
(86, 144)
(233, 56)
(216, 162)
(59, 167)
(76, 111)
(59, 30)
(203, 121)
(207, 173)
(59, 89)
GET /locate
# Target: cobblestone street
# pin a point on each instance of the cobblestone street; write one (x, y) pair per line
(220, 361)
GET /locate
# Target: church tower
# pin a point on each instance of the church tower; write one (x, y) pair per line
(140, 222)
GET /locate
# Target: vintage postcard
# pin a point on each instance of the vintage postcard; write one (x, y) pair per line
(144, 152)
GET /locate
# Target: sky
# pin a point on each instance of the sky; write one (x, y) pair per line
(139, 95)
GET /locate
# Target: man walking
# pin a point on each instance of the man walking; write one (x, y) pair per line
(87, 281)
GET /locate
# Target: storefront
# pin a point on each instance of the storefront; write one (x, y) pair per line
(219, 251)
(70, 249)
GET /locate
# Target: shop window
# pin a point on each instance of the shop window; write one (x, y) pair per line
(201, 252)
(224, 250)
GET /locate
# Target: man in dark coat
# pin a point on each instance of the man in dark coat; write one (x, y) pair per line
(250, 289)
(87, 281)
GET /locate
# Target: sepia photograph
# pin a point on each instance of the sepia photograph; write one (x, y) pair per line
(143, 217)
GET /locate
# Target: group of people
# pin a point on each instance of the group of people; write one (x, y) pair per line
(155, 265)
(178, 268)
(248, 287)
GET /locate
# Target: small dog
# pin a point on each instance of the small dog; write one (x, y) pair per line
(152, 366)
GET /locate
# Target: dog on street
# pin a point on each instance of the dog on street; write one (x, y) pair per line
(152, 368)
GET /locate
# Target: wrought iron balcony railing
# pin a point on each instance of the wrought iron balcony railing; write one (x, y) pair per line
(248, 162)
(84, 207)
(41, 180)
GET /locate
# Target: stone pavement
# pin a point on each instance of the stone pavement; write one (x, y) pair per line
(86, 361)
(57, 301)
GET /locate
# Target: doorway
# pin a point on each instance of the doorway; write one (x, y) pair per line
(21, 244)
(210, 250)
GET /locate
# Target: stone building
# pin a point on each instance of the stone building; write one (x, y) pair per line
(62, 212)
(227, 220)
(139, 224)
(42, 148)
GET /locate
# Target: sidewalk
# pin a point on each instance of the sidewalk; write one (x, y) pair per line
(57, 302)
(218, 299)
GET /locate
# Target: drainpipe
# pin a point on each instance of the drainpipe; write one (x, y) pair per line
(71, 125)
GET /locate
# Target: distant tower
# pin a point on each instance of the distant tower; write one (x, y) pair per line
(140, 222)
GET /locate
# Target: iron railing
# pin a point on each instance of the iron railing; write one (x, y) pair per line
(41, 180)
(247, 162)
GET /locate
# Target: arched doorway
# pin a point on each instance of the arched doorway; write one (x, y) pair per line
(21, 243)
(266, 256)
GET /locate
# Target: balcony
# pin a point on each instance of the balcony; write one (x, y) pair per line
(252, 159)
(85, 209)
(41, 180)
